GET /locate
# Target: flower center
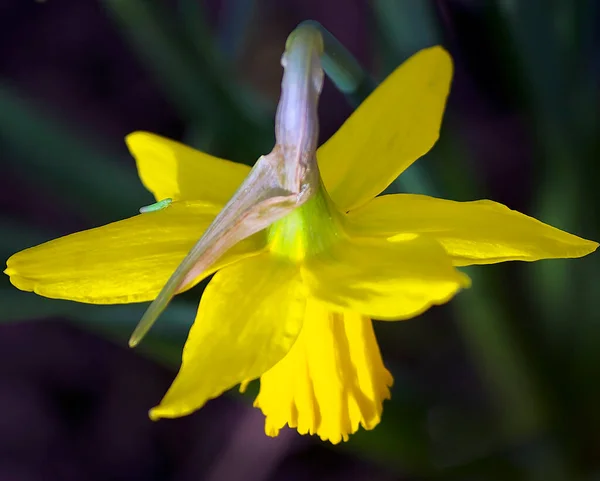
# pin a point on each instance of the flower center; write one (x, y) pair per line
(308, 230)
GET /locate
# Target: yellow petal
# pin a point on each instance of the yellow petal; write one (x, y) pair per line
(480, 232)
(248, 319)
(332, 381)
(384, 280)
(170, 169)
(123, 262)
(394, 126)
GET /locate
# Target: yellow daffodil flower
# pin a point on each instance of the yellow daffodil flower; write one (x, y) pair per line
(304, 256)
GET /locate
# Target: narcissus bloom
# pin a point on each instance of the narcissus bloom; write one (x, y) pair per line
(292, 302)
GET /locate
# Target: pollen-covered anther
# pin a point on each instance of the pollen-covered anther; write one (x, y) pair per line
(331, 382)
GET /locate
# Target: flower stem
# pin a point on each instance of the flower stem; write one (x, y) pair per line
(342, 67)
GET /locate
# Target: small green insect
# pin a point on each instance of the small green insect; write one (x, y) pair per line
(160, 205)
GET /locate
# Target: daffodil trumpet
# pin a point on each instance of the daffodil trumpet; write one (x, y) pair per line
(304, 250)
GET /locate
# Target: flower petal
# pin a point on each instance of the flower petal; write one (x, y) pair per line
(332, 381)
(126, 261)
(171, 169)
(393, 127)
(479, 232)
(249, 317)
(384, 280)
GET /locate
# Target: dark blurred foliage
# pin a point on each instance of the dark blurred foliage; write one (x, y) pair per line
(501, 384)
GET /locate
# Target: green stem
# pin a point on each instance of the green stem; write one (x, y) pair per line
(342, 67)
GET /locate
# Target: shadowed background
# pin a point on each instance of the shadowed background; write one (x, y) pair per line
(501, 384)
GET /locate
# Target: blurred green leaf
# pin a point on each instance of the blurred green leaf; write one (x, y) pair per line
(173, 325)
(16, 236)
(499, 357)
(158, 40)
(60, 156)
(482, 313)
(235, 21)
(191, 72)
(407, 27)
(218, 65)
(164, 343)
(534, 29)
